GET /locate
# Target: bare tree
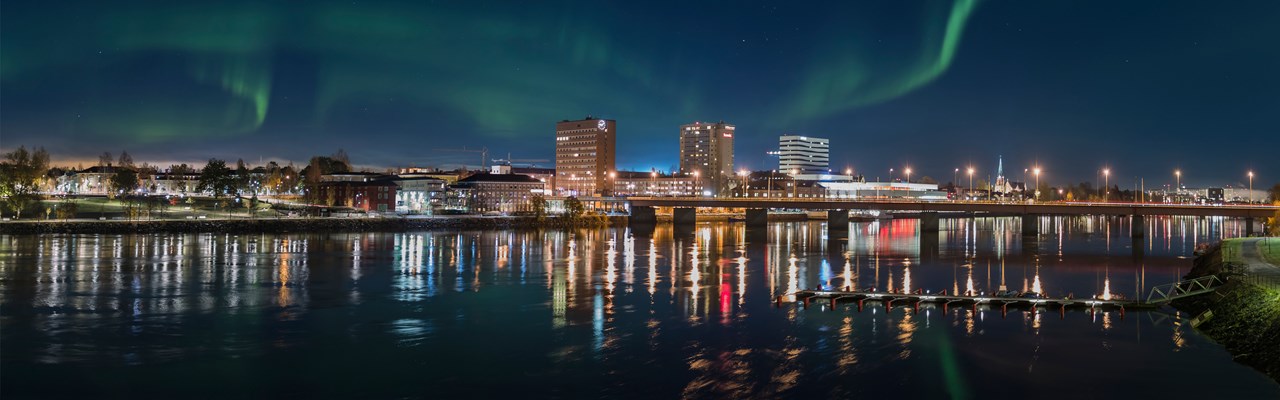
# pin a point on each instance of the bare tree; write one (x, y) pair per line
(125, 160)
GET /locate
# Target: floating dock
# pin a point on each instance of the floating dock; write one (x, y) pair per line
(914, 300)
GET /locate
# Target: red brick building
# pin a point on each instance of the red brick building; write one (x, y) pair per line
(373, 195)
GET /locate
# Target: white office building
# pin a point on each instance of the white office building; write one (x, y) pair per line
(803, 155)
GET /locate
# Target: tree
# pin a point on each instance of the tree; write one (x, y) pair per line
(180, 172)
(242, 180)
(574, 209)
(20, 175)
(105, 159)
(539, 207)
(341, 157)
(125, 160)
(928, 179)
(216, 177)
(125, 180)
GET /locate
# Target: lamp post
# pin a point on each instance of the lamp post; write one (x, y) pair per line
(1037, 192)
(697, 183)
(1250, 187)
(769, 192)
(1106, 191)
(908, 172)
(970, 179)
(653, 183)
(1177, 186)
(794, 182)
(954, 176)
(746, 190)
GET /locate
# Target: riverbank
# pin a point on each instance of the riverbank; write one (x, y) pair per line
(1245, 314)
(291, 225)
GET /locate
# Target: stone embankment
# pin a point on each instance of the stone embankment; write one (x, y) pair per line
(1242, 315)
(294, 225)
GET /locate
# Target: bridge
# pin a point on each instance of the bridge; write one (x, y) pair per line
(684, 210)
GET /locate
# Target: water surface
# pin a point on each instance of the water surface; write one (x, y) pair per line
(617, 312)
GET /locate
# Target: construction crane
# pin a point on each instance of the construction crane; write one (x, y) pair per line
(484, 154)
(513, 161)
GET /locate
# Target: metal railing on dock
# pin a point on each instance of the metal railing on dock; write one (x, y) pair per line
(1177, 290)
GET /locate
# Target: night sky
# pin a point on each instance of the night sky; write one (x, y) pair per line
(1146, 87)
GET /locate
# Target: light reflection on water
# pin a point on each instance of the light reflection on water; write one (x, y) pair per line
(685, 311)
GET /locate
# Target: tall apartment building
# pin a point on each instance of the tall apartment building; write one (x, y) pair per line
(803, 155)
(585, 156)
(707, 150)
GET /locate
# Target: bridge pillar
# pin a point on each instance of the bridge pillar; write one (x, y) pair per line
(838, 220)
(929, 221)
(684, 215)
(642, 215)
(929, 244)
(1030, 224)
(757, 217)
(1248, 226)
(1138, 226)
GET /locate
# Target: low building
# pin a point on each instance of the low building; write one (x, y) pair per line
(546, 175)
(883, 190)
(174, 184)
(488, 192)
(636, 183)
(418, 194)
(92, 180)
(373, 195)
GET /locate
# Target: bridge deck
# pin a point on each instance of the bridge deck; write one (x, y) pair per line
(1048, 208)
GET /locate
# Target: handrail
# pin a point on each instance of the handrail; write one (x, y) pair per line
(1173, 291)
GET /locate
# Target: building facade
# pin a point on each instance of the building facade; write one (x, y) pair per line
(706, 150)
(804, 155)
(373, 195)
(634, 183)
(585, 156)
(486, 192)
(418, 194)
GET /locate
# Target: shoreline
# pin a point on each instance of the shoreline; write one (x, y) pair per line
(1242, 316)
(295, 225)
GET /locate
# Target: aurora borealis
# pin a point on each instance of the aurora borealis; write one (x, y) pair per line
(933, 84)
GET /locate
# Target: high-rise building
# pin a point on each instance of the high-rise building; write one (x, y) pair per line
(706, 150)
(585, 156)
(803, 155)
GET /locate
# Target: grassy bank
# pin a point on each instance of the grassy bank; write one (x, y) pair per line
(1246, 317)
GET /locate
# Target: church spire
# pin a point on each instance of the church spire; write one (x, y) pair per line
(1000, 167)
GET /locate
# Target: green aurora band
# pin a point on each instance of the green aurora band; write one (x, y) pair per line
(853, 82)
(503, 71)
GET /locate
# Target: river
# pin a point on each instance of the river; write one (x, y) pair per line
(604, 313)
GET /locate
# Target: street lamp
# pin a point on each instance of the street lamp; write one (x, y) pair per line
(697, 183)
(1037, 192)
(794, 182)
(953, 177)
(653, 181)
(745, 189)
(908, 172)
(1177, 187)
(1250, 187)
(970, 179)
(1106, 191)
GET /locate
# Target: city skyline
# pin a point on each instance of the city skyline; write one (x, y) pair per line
(933, 86)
